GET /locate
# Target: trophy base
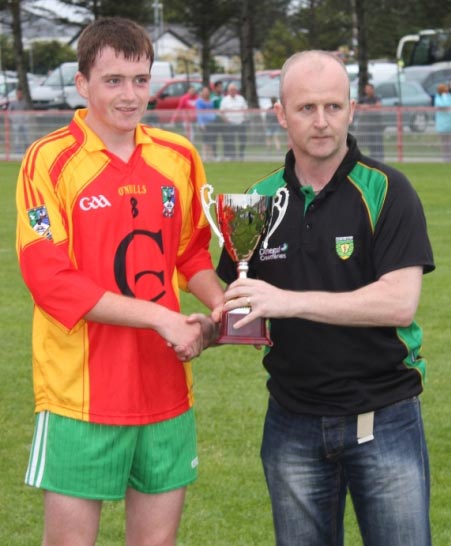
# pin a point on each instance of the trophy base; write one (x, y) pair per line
(254, 333)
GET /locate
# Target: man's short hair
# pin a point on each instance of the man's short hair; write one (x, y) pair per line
(319, 53)
(123, 35)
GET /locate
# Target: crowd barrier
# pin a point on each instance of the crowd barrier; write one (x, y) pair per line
(392, 134)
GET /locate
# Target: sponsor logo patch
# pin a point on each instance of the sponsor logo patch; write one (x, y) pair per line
(344, 246)
(276, 253)
(40, 221)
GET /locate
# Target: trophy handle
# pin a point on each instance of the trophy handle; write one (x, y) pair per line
(207, 201)
(280, 203)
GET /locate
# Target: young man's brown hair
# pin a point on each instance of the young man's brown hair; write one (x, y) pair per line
(123, 35)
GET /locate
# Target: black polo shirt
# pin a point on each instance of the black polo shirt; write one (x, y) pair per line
(367, 221)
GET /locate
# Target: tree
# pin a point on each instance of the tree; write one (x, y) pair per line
(14, 6)
(256, 16)
(266, 14)
(247, 35)
(362, 50)
(293, 26)
(8, 59)
(137, 10)
(248, 20)
(326, 24)
(47, 55)
(389, 21)
(204, 18)
(281, 42)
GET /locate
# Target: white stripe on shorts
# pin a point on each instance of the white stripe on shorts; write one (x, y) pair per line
(36, 464)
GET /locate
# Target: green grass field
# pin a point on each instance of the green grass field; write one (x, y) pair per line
(228, 505)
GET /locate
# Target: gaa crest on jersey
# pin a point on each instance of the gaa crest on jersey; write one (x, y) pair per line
(40, 221)
(168, 197)
(344, 246)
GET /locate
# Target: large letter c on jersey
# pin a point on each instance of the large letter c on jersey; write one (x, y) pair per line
(120, 260)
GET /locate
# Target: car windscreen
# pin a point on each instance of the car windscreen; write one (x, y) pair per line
(61, 76)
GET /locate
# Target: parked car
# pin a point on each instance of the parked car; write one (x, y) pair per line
(266, 91)
(8, 85)
(156, 84)
(162, 70)
(226, 79)
(407, 94)
(167, 97)
(428, 76)
(378, 71)
(391, 92)
(58, 91)
(262, 77)
(9, 81)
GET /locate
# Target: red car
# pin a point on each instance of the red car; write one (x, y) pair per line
(166, 96)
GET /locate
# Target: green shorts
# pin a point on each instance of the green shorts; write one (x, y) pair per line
(100, 462)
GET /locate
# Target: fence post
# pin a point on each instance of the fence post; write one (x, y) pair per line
(399, 135)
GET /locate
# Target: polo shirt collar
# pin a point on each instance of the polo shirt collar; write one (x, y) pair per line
(350, 159)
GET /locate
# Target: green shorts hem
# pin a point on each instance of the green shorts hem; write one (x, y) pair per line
(100, 462)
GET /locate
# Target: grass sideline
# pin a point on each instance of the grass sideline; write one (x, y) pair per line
(228, 505)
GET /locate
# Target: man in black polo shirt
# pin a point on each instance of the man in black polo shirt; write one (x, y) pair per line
(340, 282)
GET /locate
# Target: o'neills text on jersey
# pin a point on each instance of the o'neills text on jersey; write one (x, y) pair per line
(132, 189)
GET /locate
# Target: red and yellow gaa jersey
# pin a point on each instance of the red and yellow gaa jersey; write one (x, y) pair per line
(90, 223)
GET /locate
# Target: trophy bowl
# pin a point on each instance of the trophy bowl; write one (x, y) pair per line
(242, 220)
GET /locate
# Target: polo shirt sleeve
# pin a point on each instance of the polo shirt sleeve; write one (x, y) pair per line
(400, 237)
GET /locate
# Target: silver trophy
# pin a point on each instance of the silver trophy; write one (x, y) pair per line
(242, 220)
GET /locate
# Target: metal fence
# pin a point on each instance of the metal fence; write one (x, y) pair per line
(393, 134)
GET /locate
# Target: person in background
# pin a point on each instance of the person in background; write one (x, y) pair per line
(217, 127)
(110, 229)
(233, 109)
(340, 280)
(371, 128)
(272, 128)
(205, 119)
(442, 101)
(185, 112)
(19, 122)
(217, 94)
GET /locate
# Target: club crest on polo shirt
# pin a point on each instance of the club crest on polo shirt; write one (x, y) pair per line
(40, 221)
(168, 198)
(344, 246)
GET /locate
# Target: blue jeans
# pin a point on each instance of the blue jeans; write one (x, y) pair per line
(310, 463)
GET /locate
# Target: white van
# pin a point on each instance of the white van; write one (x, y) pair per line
(58, 90)
(162, 70)
(378, 71)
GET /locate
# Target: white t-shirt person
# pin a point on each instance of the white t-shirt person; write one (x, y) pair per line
(237, 103)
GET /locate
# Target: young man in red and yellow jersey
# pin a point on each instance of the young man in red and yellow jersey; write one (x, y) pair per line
(110, 228)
